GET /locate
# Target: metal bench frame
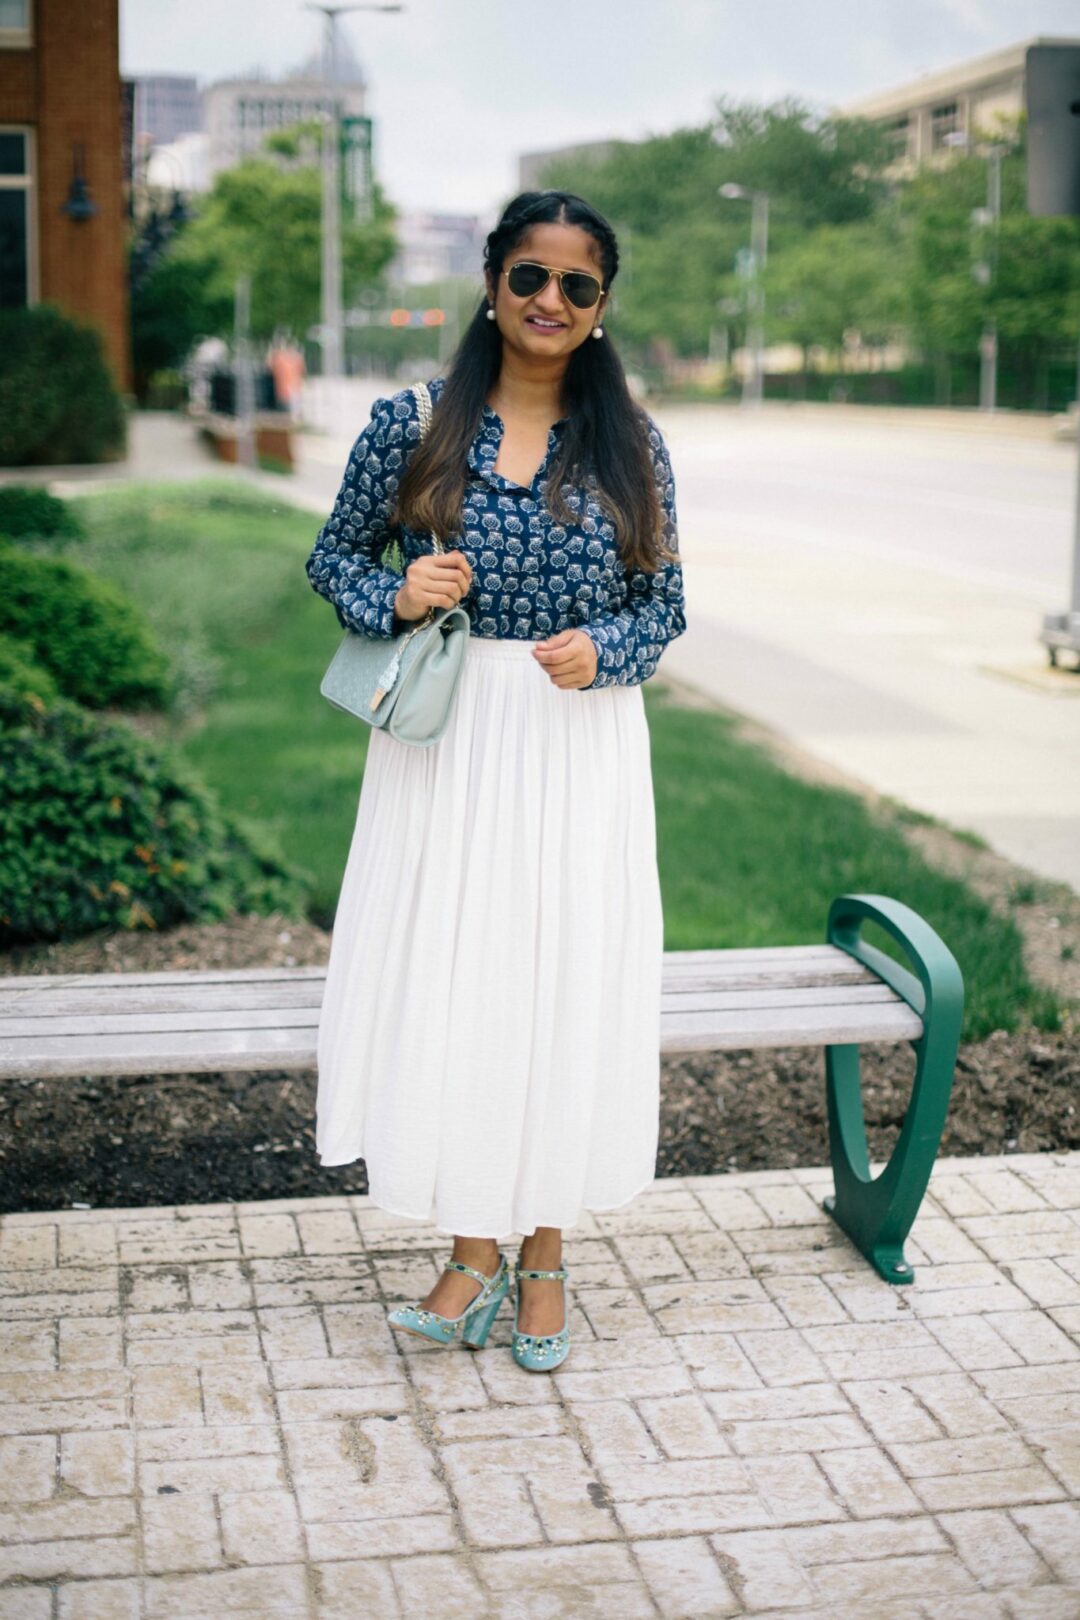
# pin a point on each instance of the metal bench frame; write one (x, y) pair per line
(877, 1212)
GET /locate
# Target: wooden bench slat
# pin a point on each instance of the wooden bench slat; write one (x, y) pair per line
(140, 993)
(771, 996)
(756, 953)
(161, 1020)
(183, 976)
(151, 999)
(293, 1047)
(790, 1026)
(45, 983)
(118, 1003)
(156, 1022)
(179, 1052)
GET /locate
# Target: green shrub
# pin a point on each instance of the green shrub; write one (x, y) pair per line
(86, 631)
(58, 400)
(20, 671)
(26, 509)
(103, 828)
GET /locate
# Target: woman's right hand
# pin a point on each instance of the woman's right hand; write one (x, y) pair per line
(435, 580)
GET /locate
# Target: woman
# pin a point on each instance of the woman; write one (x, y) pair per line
(490, 1029)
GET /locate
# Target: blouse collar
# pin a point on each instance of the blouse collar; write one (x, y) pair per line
(484, 450)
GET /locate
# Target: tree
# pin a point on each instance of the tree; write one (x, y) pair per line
(662, 197)
(172, 307)
(1032, 290)
(837, 280)
(817, 169)
(264, 219)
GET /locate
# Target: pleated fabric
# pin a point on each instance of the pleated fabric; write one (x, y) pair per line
(489, 1039)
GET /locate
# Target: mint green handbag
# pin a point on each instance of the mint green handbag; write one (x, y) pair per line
(404, 684)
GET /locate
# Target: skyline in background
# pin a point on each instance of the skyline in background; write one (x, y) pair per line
(459, 88)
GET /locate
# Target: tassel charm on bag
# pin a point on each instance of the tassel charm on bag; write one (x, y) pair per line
(390, 673)
(386, 681)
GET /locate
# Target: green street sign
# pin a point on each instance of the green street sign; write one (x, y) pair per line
(356, 170)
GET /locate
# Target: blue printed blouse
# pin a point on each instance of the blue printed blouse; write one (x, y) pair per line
(532, 576)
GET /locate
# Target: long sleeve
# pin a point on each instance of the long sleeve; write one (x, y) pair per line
(629, 643)
(343, 564)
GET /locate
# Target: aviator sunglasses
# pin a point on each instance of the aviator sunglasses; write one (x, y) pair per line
(525, 279)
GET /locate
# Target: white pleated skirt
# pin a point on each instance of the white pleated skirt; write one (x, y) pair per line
(489, 1039)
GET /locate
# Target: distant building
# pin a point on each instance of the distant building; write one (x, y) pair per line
(238, 114)
(436, 247)
(973, 98)
(181, 165)
(166, 107)
(530, 164)
(62, 140)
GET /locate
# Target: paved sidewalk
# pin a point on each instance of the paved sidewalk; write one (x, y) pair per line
(205, 1413)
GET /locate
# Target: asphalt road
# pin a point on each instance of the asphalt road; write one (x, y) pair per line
(872, 586)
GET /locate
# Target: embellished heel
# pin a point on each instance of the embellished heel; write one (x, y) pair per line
(471, 1328)
(533, 1351)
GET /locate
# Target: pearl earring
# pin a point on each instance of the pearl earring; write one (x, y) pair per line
(598, 331)
(491, 312)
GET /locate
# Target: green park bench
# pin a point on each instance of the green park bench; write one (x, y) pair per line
(839, 994)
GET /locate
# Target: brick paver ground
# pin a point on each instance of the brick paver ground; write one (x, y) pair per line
(203, 1413)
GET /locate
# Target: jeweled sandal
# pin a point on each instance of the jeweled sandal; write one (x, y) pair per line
(473, 1325)
(539, 1352)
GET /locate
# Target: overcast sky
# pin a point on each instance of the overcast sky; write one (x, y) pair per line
(458, 88)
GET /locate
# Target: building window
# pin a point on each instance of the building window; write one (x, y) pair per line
(944, 121)
(14, 24)
(17, 261)
(898, 131)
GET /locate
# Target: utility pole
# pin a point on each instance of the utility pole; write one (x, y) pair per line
(332, 330)
(986, 270)
(754, 385)
(988, 346)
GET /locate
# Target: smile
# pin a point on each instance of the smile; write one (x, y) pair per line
(543, 325)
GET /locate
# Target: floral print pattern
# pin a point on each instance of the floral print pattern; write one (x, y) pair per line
(532, 576)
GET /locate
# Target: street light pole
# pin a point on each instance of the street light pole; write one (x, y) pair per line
(988, 348)
(754, 384)
(759, 247)
(332, 329)
(986, 271)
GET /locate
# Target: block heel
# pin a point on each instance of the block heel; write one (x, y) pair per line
(478, 1324)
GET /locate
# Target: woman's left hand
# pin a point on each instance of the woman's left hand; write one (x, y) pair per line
(569, 658)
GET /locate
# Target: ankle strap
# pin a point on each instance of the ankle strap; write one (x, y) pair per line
(458, 1265)
(523, 1271)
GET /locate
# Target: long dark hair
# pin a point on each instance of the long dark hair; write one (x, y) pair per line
(606, 436)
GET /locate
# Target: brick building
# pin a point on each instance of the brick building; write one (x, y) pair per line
(60, 158)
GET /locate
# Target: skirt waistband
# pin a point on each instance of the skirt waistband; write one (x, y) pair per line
(499, 647)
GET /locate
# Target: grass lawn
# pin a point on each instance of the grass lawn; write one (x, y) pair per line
(749, 855)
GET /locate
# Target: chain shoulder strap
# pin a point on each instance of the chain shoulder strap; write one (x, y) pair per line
(422, 395)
